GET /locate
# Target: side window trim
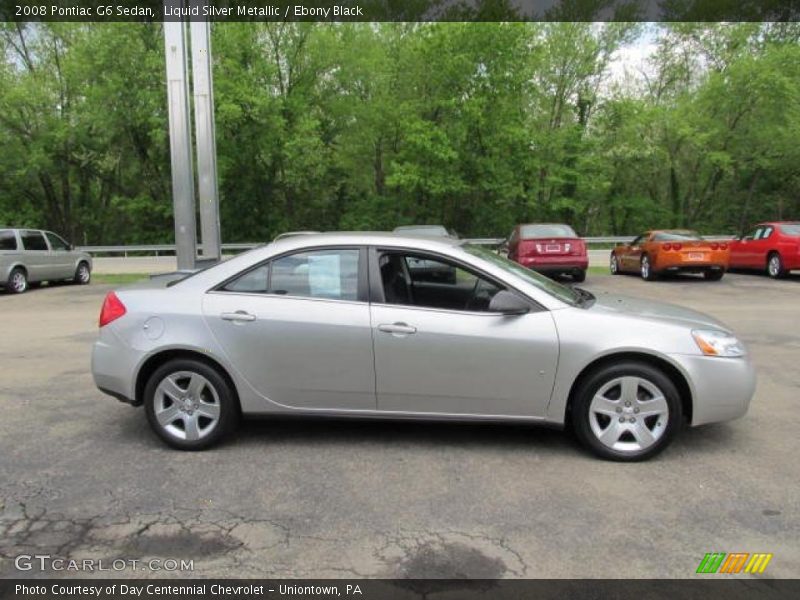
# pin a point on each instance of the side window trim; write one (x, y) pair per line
(376, 294)
(362, 284)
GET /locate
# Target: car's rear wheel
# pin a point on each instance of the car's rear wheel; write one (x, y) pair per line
(775, 266)
(646, 269)
(83, 275)
(614, 264)
(713, 275)
(579, 275)
(626, 412)
(17, 281)
(189, 404)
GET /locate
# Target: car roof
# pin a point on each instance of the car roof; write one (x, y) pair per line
(364, 238)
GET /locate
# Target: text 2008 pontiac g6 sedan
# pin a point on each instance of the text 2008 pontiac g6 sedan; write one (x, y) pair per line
(363, 325)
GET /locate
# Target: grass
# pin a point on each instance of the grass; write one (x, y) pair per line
(597, 270)
(117, 278)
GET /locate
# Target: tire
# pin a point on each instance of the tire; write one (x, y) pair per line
(579, 276)
(83, 275)
(775, 267)
(613, 264)
(646, 269)
(602, 419)
(199, 425)
(713, 275)
(17, 281)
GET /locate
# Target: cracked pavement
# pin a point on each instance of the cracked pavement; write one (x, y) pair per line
(82, 477)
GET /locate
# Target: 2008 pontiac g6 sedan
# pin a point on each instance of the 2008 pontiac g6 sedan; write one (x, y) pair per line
(381, 325)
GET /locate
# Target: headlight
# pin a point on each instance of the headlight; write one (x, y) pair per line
(717, 343)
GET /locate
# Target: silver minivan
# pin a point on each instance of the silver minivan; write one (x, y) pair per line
(31, 256)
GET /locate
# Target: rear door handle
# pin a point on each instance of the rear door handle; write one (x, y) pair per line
(397, 328)
(238, 316)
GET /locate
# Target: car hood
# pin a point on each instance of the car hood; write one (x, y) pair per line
(652, 309)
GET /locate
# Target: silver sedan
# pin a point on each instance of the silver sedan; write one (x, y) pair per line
(381, 325)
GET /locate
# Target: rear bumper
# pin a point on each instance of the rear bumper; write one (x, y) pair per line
(113, 364)
(555, 263)
(721, 387)
(691, 267)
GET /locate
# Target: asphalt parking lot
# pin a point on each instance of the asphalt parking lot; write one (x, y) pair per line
(81, 476)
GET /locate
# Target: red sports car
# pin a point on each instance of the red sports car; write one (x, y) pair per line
(549, 248)
(772, 246)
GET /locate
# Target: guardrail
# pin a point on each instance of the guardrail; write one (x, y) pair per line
(156, 249)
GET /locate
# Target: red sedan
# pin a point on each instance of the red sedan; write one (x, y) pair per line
(772, 246)
(550, 248)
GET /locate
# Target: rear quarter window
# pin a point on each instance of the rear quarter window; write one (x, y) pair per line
(8, 241)
(33, 240)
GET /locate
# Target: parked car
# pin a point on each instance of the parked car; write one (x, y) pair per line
(670, 251)
(550, 248)
(426, 230)
(30, 256)
(773, 246)
(339, 325)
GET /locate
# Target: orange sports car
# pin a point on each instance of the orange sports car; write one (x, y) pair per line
(670, 251)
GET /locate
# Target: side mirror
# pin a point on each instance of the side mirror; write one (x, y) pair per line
(508, 303)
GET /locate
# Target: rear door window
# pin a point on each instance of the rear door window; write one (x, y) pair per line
(33, 240)
(8, 241)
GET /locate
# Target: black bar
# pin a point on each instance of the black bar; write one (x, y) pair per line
(706, 588)
(408, 10)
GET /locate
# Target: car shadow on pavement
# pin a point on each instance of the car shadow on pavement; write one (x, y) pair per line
(342, 432)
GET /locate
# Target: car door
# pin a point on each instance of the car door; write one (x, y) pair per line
(761, 246)
(62, 264)
(632, 254)
(743, 254)
(36, 255)
(297, 329)
(438, 350)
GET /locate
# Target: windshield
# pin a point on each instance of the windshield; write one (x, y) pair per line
(793, 229)
(562, 292)
(528, 232)
(677, 236)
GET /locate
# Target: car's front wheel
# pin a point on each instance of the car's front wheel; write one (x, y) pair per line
(626, 412)
(17, 281)
(83, 275)
(614, 264)
(189, 404)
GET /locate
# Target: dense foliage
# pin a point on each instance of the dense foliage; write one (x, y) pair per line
(367, 126)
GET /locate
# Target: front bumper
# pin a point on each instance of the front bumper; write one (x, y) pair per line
(721, 387)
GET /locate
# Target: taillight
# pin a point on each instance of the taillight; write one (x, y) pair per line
(113, 309)
(677, 246)
(667, 246)
(715, 246)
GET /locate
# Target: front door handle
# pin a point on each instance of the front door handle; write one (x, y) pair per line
(238, 316)
(397, 328)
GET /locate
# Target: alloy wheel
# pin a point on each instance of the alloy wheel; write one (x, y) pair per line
(774, 265)
(614, 265)
(84, 274)
(628, 414)
(645, 268)
(19, 282)
(187, 405)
